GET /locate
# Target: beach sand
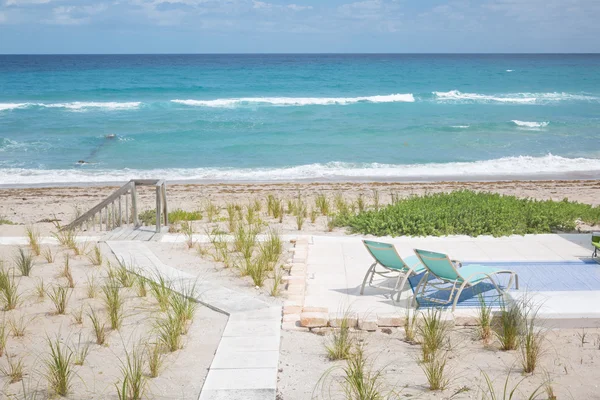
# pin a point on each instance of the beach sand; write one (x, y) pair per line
(569, 361)
(34, 205)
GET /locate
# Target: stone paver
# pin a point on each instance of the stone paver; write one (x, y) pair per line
(245, 364)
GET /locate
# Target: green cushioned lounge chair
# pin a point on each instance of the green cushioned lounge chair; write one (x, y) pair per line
(450, 271)
(595, 243)
(386, 256)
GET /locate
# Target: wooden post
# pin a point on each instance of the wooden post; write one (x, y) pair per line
(136, 220)
(158, 206)
(126, 210)
(165, 207)
(120, 219)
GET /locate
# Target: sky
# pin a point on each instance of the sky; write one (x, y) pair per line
(299, 26)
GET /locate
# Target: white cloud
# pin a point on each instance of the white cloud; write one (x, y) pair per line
(3, 18)
(25, 2)
(296, 7)
(75, 15)
(270, 6)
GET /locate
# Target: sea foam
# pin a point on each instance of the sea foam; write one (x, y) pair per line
(298, 101)
(488, 169)
(75, 105)
(517, 98)
(528, 124)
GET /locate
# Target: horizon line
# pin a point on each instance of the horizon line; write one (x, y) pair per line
(299, 53)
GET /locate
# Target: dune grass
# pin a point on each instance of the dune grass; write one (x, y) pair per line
(95, 256)
(59, 295)
(436, 370)
(148, 217)
(99, 327)
(59, 367)
(33, 236)
(509, 326)
(24, 262)
(133, 381)
(3, 337)
(80, 351)
(484, 320)
(14, 369)
(48, 255)
(114, 303)
(155, 359)
(433, 333)
(341, 341)
(9, 290)
(466, 212)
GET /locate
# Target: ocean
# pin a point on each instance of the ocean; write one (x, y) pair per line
(108, 118)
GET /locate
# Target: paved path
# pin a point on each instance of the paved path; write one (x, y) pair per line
(245, 364)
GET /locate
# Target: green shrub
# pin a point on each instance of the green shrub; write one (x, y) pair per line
(470, 213)
(148, 217)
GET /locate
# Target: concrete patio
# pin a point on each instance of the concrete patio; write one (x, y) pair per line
(335, 268)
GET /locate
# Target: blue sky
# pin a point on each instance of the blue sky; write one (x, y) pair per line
(240, 26)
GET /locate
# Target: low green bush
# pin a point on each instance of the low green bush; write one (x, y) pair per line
(148, 217)
(470, 213)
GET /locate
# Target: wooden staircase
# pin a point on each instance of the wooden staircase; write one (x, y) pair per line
(117, 215)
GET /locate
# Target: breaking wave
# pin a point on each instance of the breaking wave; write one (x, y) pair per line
(501, 168)
(298, 101)
(516, 98)
(528, 124)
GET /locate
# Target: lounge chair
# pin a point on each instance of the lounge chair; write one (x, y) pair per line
(450, 271)
(393, 265)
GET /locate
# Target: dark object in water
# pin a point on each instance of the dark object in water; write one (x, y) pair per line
(110, 136)
(81, 162)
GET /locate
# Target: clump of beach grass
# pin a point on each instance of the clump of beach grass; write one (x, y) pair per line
(322, 204)
(99, 327)
(508, 393)
(375, 200)
(123, 275)
(244, 240)
(210, 210)
(232, 216)
(59, 295)
(33, 236)
(484, 320)
(410, 326)
(133, 381)
(531, 337)
(24, 262)
(80, 351)
(140, 285)
(509, 326)
(59, 367)
(40, 288)
(433, 333)
(3, 336)
(160, 289)
(66, 237)
(9, 290)
(66, 272)
(169, 328)
(341, 341)
(188, 231)
(360, 380)
(155, 357)
(114, 303)
(14, 369)
(95, 256)
(435, 369)
(48, 255)
(78, 315)
(91, 288)
(18, 326)
(277, 280)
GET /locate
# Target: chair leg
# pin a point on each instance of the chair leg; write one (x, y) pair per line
(370, 271)
(457, 295)
(400, 286)
(423, 282)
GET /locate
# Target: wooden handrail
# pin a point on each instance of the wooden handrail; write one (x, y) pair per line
(161, 205)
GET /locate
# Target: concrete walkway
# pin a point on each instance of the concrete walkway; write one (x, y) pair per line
(245, 364)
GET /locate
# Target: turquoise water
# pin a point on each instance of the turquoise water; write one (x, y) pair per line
(287, 117)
